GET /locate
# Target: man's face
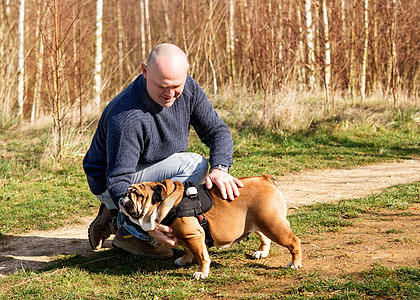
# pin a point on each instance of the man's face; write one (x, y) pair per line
(164, 83)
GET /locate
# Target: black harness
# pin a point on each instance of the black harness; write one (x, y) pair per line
(195, 202)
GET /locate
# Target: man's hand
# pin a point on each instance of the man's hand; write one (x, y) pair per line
(160, 234)
(227, 184)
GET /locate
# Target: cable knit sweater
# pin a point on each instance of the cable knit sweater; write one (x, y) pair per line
(134, 129)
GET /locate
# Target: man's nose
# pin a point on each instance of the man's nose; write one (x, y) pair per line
(170, 92)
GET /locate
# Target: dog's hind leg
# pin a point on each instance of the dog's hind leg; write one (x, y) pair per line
(264, 248)
(280, 233)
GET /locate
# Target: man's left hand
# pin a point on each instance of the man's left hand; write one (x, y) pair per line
(227, 184)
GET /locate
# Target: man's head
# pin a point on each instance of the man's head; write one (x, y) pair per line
(165, 72)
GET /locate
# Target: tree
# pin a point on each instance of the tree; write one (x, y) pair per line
(97, 87)
(230, 42)
(39, 58)
(310, 45)
(327, 64)
(365, 51)
(21, 58)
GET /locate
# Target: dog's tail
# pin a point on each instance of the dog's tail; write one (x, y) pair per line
(271, 179)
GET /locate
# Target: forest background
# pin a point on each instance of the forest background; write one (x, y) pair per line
(66, 59)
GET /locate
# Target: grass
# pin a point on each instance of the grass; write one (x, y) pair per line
(110, 275)
(39, 187)
(322, 217)
(376, 282)
(37, 193)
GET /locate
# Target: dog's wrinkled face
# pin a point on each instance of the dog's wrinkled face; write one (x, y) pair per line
(147, 203)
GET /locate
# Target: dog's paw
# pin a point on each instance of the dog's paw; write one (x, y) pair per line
(182, 261)
(199, 275)
(294, 266)
(260, 254)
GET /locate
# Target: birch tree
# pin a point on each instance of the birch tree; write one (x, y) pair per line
(301, 69)
(352, 65)
(97, 85)
(120, 36)
(147, 24)
(21, 58)
(39, 63)
(142, 31)
(327, 67)
(365, 51)
(230, 42)
(392, 70)
(7, 66)
(310, 44)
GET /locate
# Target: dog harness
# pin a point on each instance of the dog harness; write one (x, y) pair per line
(195, 202)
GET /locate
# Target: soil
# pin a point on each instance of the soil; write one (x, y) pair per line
(390, 239)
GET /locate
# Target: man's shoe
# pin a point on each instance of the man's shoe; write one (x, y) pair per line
(136, 246)
(101, 228)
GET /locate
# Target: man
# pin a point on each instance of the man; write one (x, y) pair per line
(142, 135)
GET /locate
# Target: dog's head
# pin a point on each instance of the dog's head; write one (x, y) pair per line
(147, 203)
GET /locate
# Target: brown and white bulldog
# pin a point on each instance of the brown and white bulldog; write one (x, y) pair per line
(260, 208)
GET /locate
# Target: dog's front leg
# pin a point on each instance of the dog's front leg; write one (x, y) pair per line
(264, 248)
(186, 259)
(192, 235)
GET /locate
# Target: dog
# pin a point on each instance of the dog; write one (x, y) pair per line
(260, 208)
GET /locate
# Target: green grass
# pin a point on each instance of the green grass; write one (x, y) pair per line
(377, 282)
(324, 217)
(38, 193)
(41, 191)
(113, 275)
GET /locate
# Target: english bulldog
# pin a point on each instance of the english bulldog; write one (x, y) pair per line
(260, 208)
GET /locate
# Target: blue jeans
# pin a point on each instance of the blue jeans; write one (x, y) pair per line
(184, 166)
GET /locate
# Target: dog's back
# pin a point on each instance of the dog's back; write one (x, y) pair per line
(260, 201)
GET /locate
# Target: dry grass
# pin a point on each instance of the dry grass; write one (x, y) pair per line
(293, 110)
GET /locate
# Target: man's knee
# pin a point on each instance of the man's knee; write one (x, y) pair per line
(194, 167)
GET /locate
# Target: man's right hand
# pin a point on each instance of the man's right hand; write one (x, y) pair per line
(160, 234)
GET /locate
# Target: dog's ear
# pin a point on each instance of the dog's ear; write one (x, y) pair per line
(158, 192)
(169, 187)
(171, 196)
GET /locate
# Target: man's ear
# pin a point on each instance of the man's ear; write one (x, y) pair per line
(144, 68)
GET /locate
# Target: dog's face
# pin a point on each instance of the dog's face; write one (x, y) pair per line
(147, 203)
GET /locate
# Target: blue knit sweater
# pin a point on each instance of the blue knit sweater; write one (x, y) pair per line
(134, 129)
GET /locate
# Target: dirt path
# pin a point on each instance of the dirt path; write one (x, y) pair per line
(37, 249)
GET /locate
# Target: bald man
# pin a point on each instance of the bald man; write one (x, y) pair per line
(142, 135)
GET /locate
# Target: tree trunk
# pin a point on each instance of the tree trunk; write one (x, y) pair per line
(230, 42)
(56, 105)
(393, 51)
(21, 58)
(310, 45)
(167, 21)
(97, 85)
(327, 67)
(142, 31)
(147, 24)
(120, 28)
(7, 71)
(352, 66)
(210, 47)
(39, 64)
(301, 68)
(365, 52)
